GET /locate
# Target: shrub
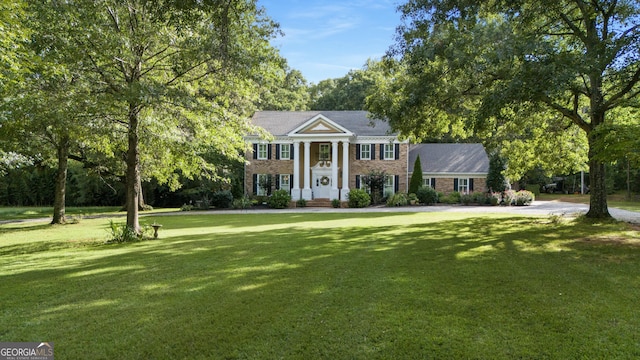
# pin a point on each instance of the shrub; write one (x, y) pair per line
(427, 195)
(466, 199)
(186, 207)
(494, 199)
(358, 198)
(480, 198)
(397, 199)
(279, 200)
(221, 199)
(301, 203)
(509, 197)
(335, 203)
(453, 198)
(524, 197)
(416, 177)
(242, 203)
(121, 233)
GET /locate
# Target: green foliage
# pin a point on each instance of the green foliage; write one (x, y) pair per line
(221, 199)
(375, 181)
(416, 177)
(397, 199)
(336, 203)
(121, 233)
(301, 203)
(279, 200)
(452, 198)
(186, 207)
(358, 198)
(427, 195)
(496, 180)
(346, 93)
(242, 203)
(524, 197)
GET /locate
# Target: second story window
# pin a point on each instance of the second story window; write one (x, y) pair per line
(365, 152)
(263, 151)
(285, 151)
(389, 152)
(325, 152)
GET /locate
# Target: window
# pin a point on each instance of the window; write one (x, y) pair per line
(389, 152)
(325, 152)
(365, 152)
(263, 151)
(285, 151)
(285, 182)
(361, 184)
(431, 182)
(389, 185)
(463, 185)
(263, 184)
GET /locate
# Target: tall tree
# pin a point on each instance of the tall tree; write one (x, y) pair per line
(416, 177)
(484, 64)
(346, 93)
(169, 72)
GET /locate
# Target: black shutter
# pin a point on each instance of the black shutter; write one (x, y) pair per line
(397, 151)
(433, 183)
(381, 151)
(470, 185)
(357, 181)
(269, 152)
(396, 183)
(291, 147)
(290, 182)
(277, 181)
(373, 151)
(455, 184)
(255, 151)
(357, 151)
(255, 184)
(277, 151)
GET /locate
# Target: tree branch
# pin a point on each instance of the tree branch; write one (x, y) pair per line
(611, 103)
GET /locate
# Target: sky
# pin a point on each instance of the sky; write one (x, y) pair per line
(326, 39)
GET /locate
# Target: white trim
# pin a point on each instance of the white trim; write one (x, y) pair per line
(319, 118)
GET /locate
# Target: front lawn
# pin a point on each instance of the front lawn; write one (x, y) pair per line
(326, 286)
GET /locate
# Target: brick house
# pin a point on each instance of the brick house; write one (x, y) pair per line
(324, 154)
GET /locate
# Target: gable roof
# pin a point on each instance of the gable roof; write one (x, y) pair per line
(281, 123)
(450, 158)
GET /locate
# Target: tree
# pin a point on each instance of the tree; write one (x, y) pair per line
(346, 93)
(416, 177)
(174, 76)
(496, 181)
(287, 92)
(480, 66)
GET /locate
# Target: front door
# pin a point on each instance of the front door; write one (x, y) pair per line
(321, 186)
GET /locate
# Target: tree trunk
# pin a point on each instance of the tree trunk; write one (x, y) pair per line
(133, 171)
(61, 182)
(598, 208)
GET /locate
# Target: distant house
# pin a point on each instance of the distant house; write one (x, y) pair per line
(324, 154)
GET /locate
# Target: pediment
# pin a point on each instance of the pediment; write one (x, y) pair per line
(320, 125)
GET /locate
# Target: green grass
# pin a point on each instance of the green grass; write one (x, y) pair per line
(326, 286)
(36, 212)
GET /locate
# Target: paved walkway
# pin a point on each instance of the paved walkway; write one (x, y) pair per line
(538, 208)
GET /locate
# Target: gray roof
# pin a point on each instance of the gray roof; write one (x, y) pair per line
(450, 158)
(280, 123)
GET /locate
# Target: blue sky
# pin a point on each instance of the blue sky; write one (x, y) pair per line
(326, 39)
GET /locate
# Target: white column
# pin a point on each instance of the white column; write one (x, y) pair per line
(344, 192)
(295, 192)
(306, 192)
(335, 193)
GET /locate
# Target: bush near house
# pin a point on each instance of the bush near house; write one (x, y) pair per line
(279, 200)
(427, 195)
(397, 199)
(358, 198)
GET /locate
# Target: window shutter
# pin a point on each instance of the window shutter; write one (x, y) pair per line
(373, 151)
(396, 183)
(290, 182)
(357, 151)
(433, 183)
(277, 151)
(255, 184)
(381, 151)
(397, 151)
(470, 185)
(357, 181)
(277, 181)
(269, 152)
(292, 147)
(455, 184)
(255, 151)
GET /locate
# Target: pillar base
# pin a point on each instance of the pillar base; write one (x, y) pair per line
(344, 195)
(295, 194)
(335, 194)
(307, 194)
